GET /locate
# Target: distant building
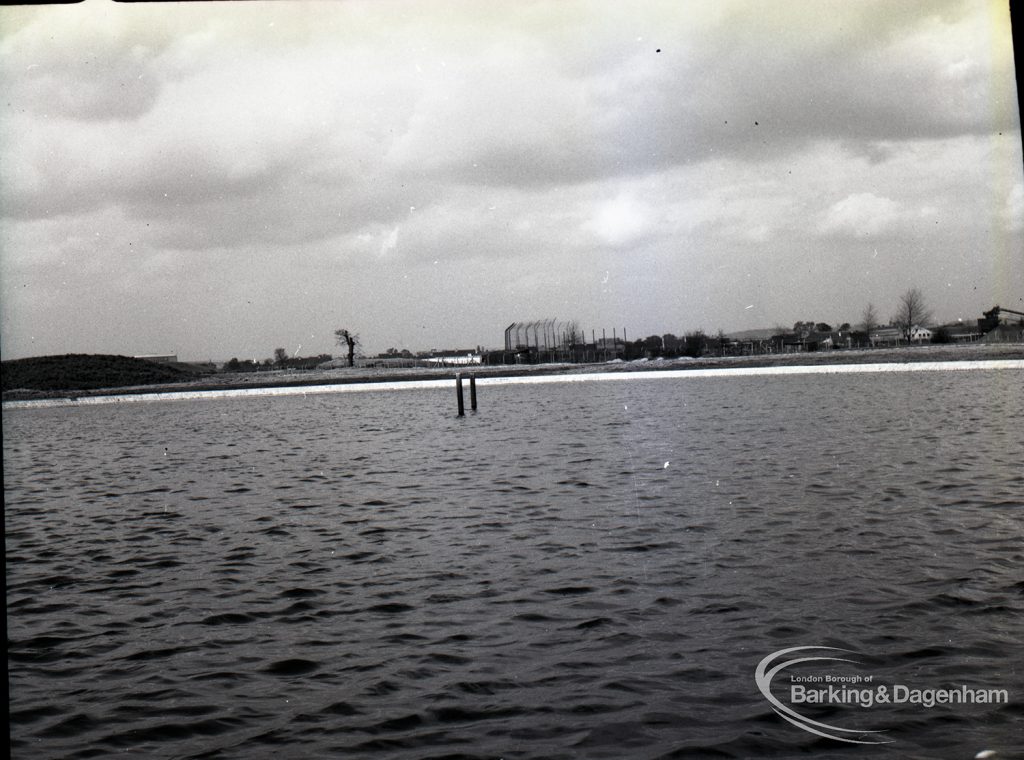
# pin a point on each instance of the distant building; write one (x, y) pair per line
(998, 315)
(886, 336)
(962, 332)
(159, 358)
(920, 334)
(842, 339)
(805, 340)
(819, 341)
(452, 358)
(1005, 334)
(955, 332)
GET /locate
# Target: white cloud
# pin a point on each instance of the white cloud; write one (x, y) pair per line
(620, 221)
(390, 242)
(862, 215)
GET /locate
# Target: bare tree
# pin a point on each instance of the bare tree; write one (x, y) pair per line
(911, 311)
(869, 320)
(280, 355)
(571, 333)
(349, 341)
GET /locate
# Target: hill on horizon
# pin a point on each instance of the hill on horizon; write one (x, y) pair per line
(73, 372)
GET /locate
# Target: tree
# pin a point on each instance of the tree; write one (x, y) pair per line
(694, 343)
(653, 345)
(911, 311)
(869, 318)
(868, 322)
(280, 355)
(571, 333)
(722, 342)
(349, 341)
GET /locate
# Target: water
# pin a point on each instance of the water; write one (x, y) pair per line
(577, 570)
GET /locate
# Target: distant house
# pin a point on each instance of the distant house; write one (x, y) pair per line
(159, 358)
(920, 334)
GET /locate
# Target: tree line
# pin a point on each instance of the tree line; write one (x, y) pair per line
(343, 337)
(911, 311)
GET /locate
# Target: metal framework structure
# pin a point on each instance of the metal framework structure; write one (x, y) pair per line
(542, 335)
(554, 340)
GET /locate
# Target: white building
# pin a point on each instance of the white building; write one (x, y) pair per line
(449, 360)
(920, 334)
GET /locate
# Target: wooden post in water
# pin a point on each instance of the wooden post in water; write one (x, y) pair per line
(472, 391)
(458, 394)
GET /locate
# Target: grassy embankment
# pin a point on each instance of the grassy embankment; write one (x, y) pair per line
(58, 375)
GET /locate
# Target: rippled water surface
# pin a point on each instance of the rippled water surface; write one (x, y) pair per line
(576, 570)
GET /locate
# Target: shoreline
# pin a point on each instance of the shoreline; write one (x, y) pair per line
(976, 352)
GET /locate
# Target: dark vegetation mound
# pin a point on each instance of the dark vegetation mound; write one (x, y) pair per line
(73, 372)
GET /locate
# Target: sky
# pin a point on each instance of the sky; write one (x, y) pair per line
(218, 180)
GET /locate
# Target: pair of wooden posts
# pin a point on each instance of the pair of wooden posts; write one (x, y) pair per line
(472, 393)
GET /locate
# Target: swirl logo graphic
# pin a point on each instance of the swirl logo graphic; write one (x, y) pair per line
(763, 676)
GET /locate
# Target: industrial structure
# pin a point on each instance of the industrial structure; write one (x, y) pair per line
(994, 317)
(554, 340)
(998, 328)
(541, 334)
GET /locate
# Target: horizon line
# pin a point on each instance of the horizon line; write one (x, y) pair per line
(446, 383)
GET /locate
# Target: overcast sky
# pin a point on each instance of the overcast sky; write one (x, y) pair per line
(218, 180)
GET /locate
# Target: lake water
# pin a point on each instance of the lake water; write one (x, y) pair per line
(576, 570)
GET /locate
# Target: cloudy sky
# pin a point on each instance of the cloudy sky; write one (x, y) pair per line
(219, 180)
